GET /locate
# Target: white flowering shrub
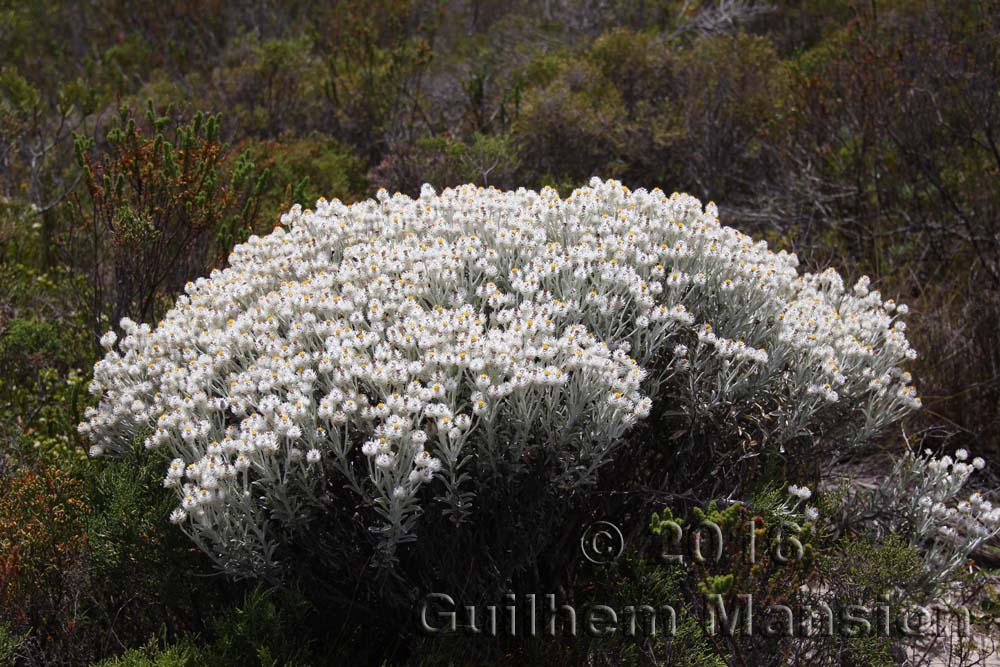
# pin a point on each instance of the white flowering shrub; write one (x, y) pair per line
(415, 351)
(924, 500)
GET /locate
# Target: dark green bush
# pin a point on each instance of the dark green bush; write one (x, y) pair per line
(9, 645)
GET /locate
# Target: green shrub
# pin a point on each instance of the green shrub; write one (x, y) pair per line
(9, 645)
(43, 539)
(181, 654)
(272, 86)
(445, 161)
(265, 630)
(156, 200)
(29, 342)
(42, 392)
(572, 127)
(302, 171)
(169, 584)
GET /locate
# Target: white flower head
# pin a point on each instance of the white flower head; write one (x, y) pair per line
(108, 340)
(800, 492)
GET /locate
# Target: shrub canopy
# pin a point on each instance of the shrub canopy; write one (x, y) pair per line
(413, 349)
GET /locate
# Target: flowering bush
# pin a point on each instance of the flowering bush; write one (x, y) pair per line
(413, 350)
(923, 500)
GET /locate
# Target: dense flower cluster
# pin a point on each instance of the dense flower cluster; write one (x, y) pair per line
(399, 341)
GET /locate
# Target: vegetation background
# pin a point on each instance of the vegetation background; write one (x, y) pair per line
(140, 140)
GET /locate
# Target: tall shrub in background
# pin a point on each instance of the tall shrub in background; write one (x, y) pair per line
(157, 206)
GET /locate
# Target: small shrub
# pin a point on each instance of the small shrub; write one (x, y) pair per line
(41, 390)
(42, 541)
(9, 644)
(446, 161)
(922, 502)
(129, 539)
(258, 632)
(181, 654)
(572, 126)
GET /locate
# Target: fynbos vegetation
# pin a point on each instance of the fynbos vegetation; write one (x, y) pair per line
(309, 311)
